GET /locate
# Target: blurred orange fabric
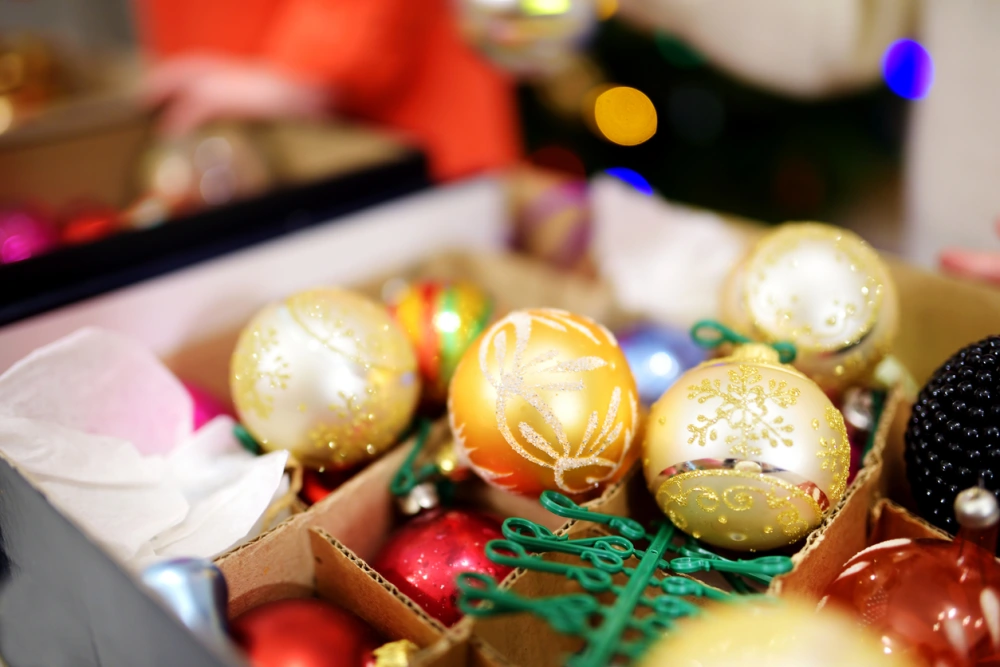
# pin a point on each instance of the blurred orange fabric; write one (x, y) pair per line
(401, 63)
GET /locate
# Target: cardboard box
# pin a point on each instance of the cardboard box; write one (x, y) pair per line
(62, 600)
(323, 550)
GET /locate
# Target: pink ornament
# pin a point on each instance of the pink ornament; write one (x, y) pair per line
(932, 600)
(24, 234)
(206, 406)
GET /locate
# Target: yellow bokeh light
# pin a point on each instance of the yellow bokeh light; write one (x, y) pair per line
(606, 9)
(625, 116)
(546, 7)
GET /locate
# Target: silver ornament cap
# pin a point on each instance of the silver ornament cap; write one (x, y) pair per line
(976, 508)
(196, 591)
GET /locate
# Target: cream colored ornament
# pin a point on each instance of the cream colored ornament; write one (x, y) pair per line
(786, 633)
(825, 290)
(326, 374)
(544, 399)
(746, 453)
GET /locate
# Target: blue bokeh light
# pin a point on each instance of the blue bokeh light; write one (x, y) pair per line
(631, 177)
(908, 69)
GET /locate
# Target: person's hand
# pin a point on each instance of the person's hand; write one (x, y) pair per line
(197, 89)
(976, 264)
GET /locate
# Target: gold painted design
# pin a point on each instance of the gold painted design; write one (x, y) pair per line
(836, 453)
(780, 497)
(250, 373)
(395, 654)
(746, 408)
(316, 311)
(522, 379)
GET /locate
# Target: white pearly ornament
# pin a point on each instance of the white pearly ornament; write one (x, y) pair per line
(326, 374)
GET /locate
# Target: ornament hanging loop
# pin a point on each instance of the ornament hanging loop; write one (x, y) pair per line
(710, 334)
(409, 475)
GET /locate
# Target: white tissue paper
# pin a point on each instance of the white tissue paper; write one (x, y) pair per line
(106, 432)
(665, 261)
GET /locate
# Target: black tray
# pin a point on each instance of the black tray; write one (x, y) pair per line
(74, 273)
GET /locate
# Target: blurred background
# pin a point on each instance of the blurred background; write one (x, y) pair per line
(764, 109)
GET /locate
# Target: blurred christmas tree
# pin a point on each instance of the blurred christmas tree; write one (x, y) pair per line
(723, 144)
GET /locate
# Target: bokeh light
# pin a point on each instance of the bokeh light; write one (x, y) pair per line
(606, 9)
(625, 116)
(908, 69)
(546, 7)
(631, 177)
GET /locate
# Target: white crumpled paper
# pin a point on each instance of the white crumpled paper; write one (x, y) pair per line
(664, 261)
(106, 432)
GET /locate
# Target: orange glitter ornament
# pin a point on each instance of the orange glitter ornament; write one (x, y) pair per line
(544, 399)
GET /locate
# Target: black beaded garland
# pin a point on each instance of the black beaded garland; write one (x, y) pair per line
(953, 438)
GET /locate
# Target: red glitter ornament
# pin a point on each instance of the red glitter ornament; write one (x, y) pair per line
(931, 600)
(304, 633)
(424, 557)
(317, 485)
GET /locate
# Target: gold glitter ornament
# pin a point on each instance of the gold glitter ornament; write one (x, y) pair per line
(544, 399)
(326, 374)
(745, 452)
(785, 633)
(823, 289)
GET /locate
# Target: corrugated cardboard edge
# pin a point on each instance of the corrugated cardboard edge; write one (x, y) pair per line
(890, 521)
(845, 531)
(341, 576)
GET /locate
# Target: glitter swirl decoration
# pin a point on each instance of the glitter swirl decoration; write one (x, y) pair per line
(326, 374)
(823, 289)
(441, 320)
(544, 401)
(745, 452)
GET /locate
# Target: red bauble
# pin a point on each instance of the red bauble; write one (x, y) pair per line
(929, 599)
(317, 485)
(90, 225)
(304, 633)
(424, 557)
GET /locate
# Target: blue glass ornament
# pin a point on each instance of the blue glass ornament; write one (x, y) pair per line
(197, 593)
(658, 355)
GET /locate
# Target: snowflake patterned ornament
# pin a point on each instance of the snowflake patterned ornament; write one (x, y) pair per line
(545, 400)
(746, 452)
(326, 374)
